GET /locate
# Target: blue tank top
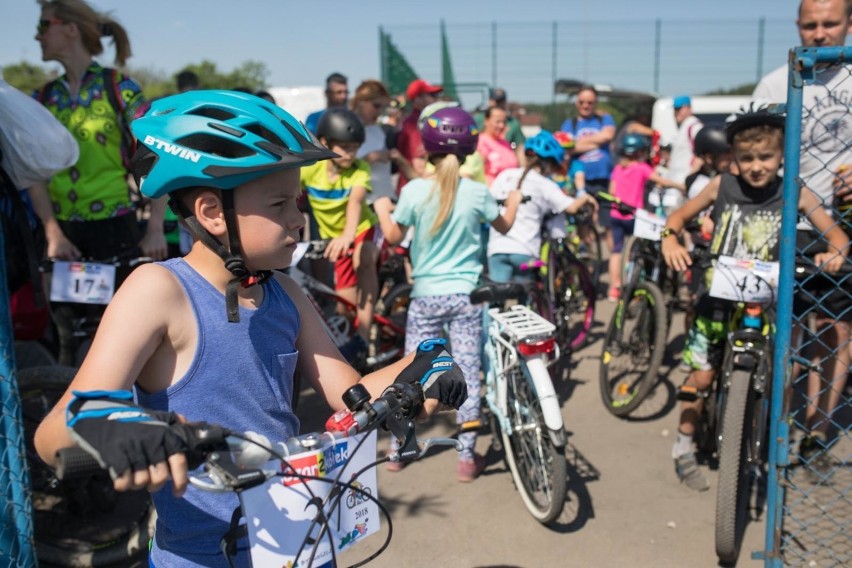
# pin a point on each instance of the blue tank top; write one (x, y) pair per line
(240, 377)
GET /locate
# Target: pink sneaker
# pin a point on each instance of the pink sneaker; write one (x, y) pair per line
(468, 470)
(614, 294)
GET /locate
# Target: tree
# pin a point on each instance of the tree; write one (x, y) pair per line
(26, 76)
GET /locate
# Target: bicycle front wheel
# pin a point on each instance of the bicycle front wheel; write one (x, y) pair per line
(633, 349)
(537, 465)
(573, 301)
(734, 487)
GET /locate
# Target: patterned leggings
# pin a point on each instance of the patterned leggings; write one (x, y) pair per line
(427, 316)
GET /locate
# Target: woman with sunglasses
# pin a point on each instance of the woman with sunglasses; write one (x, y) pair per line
(88, 210)
(371, 98)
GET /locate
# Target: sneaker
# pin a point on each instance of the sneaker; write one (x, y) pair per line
(395, 467)
(688, 473)
(468, 470)
(613, 294)
(813, 456)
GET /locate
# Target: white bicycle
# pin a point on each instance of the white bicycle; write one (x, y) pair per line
(522, 401)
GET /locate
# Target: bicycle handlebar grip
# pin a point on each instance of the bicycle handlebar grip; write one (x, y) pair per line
(77, 463)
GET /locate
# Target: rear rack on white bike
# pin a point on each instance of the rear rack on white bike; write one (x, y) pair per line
(520, 322)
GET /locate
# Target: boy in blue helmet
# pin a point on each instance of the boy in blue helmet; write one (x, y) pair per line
(230, 165)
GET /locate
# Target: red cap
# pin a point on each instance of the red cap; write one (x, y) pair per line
(418, 87)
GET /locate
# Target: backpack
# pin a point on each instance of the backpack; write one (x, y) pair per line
(22, 245)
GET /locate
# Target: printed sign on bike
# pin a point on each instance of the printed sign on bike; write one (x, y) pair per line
(82, 282)
(647, 225)
(744, 280)
(280, 513)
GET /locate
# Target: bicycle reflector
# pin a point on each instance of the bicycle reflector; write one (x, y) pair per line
(536, 346)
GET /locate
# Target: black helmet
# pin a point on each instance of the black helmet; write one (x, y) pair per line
(711, 140)
(756, 113)
(341, 125)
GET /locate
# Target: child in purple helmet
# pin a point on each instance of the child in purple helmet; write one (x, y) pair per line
(446, 212)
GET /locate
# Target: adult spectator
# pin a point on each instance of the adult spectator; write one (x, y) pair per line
(187, 80)
(420, 94)
(681, 161)
(593, 132)
(514, 135)
(371, 98)
(496, 152)
(336, 95)
(824, 167)
(87, 210)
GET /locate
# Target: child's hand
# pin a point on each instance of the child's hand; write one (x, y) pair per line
(829, 262)
(136, 445)
(514, 198)
(843, 185)
(675, 254)
(440, 376)
(581, 201)
(338, 247)
(383, 206)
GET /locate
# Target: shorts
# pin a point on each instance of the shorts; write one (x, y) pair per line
(344, 268)
(505, 267)
(593, 187)
(621, 228)
(829, 295)
(704, 342)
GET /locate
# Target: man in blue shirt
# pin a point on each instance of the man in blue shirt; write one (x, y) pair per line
(336, 95)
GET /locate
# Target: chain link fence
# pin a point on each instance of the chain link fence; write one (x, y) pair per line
(810, 506)
(657, 56)
(16, 528)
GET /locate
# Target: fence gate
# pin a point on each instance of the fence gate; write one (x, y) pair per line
(809, 516)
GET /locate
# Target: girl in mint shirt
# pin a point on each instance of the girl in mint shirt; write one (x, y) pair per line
(446, 212)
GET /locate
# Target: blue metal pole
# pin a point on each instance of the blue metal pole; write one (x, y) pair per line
(16, 528)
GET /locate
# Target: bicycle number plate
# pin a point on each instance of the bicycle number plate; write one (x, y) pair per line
(744, 280)
(82, 282)
(280, 512)
(648, 226)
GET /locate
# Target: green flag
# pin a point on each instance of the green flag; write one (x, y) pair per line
(448, 80)
(396, 71)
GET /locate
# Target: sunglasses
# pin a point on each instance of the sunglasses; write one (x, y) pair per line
(44, 25)
(378, 105)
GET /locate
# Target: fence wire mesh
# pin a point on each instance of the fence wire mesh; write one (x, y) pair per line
(814, 510)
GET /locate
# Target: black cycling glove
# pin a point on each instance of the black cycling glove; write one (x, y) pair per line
(437, 372)
(120, 435)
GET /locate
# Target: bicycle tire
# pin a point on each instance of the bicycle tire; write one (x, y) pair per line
(630, 254)
(81, 523)
(537, 300)
(733, 490)
(591, 255)
(537, 465)
(386, 340)
(645, 343)
(573, 296)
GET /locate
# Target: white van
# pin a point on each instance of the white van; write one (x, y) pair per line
(711, 110)
(299, 101)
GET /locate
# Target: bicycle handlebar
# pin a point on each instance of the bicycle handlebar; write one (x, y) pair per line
(212, 445)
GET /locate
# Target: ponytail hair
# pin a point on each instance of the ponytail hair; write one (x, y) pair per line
(446, 186)
(93, 25)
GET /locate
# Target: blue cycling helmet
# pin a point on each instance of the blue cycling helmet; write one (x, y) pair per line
(545, 146)
(632, 143)
(219, 139)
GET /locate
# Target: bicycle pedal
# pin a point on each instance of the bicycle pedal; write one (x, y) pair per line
(687, 393)
(470, 426)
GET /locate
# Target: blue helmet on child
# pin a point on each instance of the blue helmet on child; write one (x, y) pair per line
(632, 143)
(219, 139)
(545, 146)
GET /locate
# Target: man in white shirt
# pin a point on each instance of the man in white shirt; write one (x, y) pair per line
(688, 125)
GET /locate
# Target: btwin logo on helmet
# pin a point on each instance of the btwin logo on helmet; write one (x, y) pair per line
(172, 149)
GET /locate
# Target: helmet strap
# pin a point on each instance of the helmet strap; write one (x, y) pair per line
(233, 262)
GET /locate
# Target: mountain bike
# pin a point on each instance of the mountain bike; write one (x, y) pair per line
(584, 241)
(310, 496)
(635, 339)
(522, 402)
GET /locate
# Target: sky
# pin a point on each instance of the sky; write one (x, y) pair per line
(302, 41)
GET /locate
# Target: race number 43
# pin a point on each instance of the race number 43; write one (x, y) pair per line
(82, 282)
(744, 280)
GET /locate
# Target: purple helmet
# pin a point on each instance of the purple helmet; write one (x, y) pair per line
(450, 131)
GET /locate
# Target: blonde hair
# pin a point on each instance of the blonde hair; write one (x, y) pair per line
(446, 186)
(93, 25)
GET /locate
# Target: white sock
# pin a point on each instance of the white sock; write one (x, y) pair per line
(682, 445)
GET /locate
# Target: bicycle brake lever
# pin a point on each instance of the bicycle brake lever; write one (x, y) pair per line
(429, 442)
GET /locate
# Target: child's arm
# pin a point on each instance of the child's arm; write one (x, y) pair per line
(580, 201)
(394, 233)
(138, 339)
(663, 182)
(504, 221)
(674, 253)
(838, 243)
(339, 246)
